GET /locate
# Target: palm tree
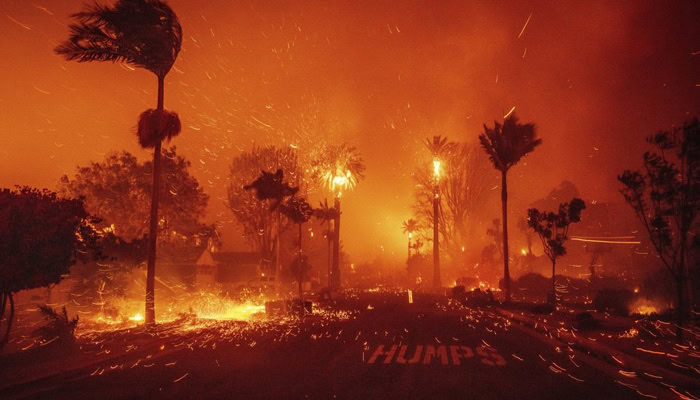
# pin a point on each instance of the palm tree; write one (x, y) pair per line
(146, 34)
(505, 145)
(439, 148)
(326, 214)
(338, 168)
(299, 211)
(409, 227)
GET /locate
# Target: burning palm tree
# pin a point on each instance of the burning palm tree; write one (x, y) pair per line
(146, 34)
(339, 168)
(439, 148)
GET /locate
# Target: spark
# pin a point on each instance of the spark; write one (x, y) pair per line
(181, 378)
(525, 26)
(19, 23)
(509, 112)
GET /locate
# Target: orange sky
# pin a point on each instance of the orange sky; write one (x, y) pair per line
(596, 77)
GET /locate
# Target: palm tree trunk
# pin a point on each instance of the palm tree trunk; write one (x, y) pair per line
(153, 228)
(328, 230)
(300, 278)
(278, 262)
(336, 247)
(5, 339)
(436, 239)
(504, 200)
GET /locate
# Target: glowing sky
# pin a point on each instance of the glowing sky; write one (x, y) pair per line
(596, 77)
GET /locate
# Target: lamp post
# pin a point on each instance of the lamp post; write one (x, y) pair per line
(436, 206)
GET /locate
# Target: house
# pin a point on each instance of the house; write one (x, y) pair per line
(226, 268)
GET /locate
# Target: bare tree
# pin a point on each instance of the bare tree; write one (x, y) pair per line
(464, 191)
(259, 222)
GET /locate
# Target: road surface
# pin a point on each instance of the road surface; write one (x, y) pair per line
(368, 345)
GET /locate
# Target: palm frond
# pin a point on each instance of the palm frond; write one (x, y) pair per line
(154, 126)
(144, 33)
(506, 144)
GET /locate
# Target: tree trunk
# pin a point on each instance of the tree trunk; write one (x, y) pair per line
(554, 287)
(300, 277)
(153, 228)
(409, 249)
(5, 339)
(436, 239)
(504, 200)
(336, 247)
(329, 239)
(3, 303)
(278, 262)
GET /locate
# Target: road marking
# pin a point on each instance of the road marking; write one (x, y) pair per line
(430, 354)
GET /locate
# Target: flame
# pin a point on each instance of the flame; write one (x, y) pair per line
(137, 317)
(646, 309)
(436, 168)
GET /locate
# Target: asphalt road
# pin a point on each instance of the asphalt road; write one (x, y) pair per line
(365, 346)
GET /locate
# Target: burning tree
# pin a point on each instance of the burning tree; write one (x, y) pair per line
(338, 168)
(665, 195)
(146, 34)
(41, 236)
(463, 191)
(505, 145)
(261, 224)
(553, 230)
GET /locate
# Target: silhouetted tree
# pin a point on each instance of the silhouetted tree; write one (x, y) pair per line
(146, 34)
(299, 211)
(256, 217)
(326, 214)
(463, 191)
(665, 195)
(553, 230)
(41, 236)
(505, 145)
(337, 168)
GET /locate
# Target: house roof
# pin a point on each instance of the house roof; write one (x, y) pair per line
(228, 258)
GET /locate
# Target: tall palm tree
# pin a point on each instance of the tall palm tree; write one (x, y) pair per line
(505, 145)
(326, 214)
(338, 168)
(409, 227)
(146, 34)
(439, 148)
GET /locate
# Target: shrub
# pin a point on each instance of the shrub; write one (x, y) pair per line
(59, 327)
